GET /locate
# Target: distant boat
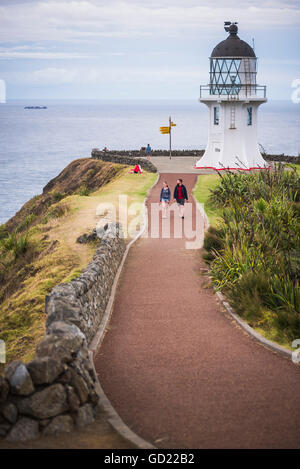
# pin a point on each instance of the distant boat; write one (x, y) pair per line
(35, 107)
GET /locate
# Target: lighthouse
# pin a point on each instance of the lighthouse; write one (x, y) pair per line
(232, 97)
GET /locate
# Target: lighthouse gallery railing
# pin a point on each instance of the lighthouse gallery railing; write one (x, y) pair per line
(234, 91)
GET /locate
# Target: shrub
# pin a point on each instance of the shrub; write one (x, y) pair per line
(255, 255)
(56, 212)
(84, 191)
(24, 225)
(212, 243)
(58, 196)
(3, 231)
(15, 243)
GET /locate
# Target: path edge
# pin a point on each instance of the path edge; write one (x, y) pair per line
(256, 335)
(112, 416)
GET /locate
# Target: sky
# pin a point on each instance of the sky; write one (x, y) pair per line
(139, 49)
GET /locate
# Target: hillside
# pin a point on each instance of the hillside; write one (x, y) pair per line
(38, 247)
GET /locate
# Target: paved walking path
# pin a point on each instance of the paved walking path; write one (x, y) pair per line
(181, 373)
(178, 164)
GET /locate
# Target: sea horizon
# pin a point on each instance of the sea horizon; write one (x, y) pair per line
(36, 145)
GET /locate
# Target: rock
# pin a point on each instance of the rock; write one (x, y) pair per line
(61, 328)
(44, 370)
(19, 379)
(80, 386)
(49, 402)
(60, 348)
(85, 415)
(82, 368)
(87, 237)
(94, 398)
(73, 399)
(10, 412)
(62, 423)
(4, 428)
(63, 309)
(99, 411)
(65, 378)
(102, 226)
(4, 389)
(43, 423)
(24, 429)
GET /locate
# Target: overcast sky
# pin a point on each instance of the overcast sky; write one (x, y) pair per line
(139, 48)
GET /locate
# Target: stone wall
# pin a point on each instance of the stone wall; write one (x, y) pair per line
(122, 156)
(124, 159)
(281, 158)
(142, 153)
(56, 391)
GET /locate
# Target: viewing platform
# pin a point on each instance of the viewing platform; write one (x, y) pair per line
(233, 92)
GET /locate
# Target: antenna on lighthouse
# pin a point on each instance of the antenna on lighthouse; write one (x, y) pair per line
(253, 44)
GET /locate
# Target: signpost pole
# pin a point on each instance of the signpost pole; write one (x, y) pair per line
(170, 136)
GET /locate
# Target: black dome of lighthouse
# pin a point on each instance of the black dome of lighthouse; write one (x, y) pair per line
(233, 46)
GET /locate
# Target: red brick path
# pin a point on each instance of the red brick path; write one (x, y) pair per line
(181, 373)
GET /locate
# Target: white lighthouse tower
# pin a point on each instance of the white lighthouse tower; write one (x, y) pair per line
(233, 98)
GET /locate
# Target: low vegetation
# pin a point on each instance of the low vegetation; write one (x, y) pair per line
(202, 191)
(38, 247)
(254, 250)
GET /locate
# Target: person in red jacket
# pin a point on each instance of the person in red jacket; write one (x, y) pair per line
(180, 195)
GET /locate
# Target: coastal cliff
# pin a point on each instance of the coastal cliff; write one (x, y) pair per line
(39, 247)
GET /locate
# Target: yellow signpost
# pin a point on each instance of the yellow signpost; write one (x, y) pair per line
(167, 130)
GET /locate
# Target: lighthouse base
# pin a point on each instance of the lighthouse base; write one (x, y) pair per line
(232, 138)
(231, 169)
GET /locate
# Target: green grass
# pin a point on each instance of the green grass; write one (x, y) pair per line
(295, 166)
(202, 192)
(47, 254)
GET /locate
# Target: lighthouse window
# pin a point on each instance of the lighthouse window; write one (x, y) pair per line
(224, 76)
(249, 115)
(216, 115)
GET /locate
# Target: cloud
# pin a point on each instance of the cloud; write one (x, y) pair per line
(28, 52)
(89, 19)
(7, 54)
(55, 76)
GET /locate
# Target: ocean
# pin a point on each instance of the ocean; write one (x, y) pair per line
(37, 144)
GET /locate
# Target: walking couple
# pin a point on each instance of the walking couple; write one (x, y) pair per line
(180, 196)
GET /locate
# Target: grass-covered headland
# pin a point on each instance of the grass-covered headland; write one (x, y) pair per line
(253, 249)
(39, 248)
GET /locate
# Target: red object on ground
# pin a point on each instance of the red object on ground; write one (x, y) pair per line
(233, 169)
(178, 370)
(136, 169)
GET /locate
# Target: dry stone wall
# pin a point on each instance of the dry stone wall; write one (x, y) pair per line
(131, 156)
(56, 391)
(125, 158)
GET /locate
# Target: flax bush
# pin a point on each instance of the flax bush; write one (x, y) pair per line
(256, 260)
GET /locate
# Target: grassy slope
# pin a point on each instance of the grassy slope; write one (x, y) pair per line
(202, 192)
(56, 257)
(296, 166)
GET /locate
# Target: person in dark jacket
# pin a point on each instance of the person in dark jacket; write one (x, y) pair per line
(165, 197)
(180, 195)
(148, 151)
